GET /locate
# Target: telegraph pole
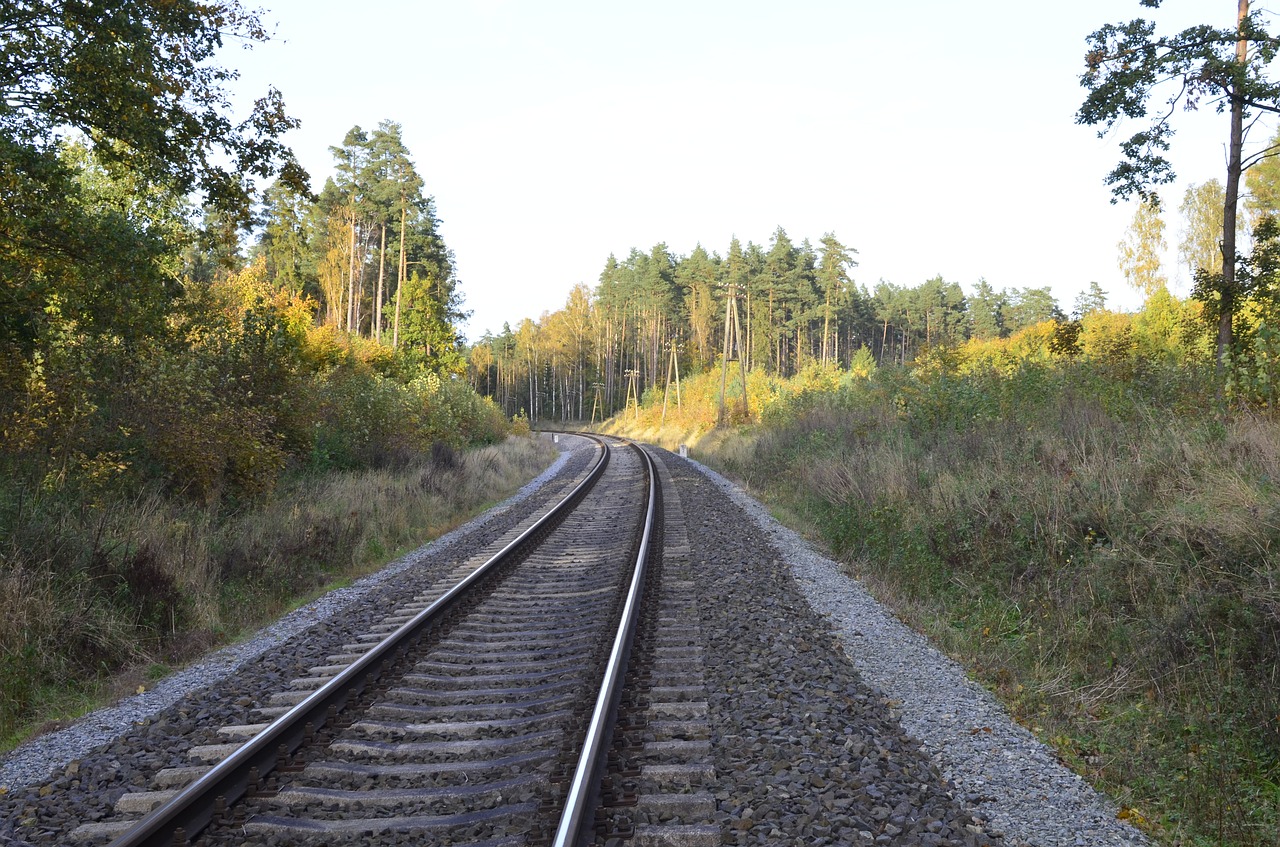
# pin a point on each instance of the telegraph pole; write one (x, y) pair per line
(673, 363)
(732, 351)
(633, 375)
(597, 402)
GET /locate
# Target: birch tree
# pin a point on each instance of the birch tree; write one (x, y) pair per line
(1141, 247)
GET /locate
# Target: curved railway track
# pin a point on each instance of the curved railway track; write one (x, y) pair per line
(738, 717)
(481, 713)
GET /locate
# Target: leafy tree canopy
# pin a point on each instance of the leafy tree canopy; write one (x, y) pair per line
(1126, 64)
(135, 77)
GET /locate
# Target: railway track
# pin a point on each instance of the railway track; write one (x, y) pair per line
(740, 718)
(481, 712)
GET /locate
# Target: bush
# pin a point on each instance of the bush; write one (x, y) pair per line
(124, 464)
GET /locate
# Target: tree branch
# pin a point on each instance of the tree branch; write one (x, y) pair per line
(1265, 153)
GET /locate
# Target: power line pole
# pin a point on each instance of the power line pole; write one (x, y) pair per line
(633, 375)
(732, 351)
(673, 362)
(597, 404)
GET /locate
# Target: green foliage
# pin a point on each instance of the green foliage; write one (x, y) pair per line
(1126, 63)
(1069, 511)
(862, 363)
(1202, 214)
(1107, 339)
(373, 254)
(120, 460)
(152, 387)
(289, 264)
(986, 312)
(1254, 375)
(142, 580)
(427, 331)
(655, 315)
(80, 257)
(1092, 300)
(1141, 248)
(138, 79)
(1263, 182)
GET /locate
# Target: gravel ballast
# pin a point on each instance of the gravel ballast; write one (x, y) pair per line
(42, 757)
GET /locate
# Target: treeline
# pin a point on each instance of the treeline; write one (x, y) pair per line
(796, 304)
(161, 354)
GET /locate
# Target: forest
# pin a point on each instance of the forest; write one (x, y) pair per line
(800, 305)
(223, 387)
(1076, 502)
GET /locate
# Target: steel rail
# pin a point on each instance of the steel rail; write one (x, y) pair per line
(577, 818)
(193, 808)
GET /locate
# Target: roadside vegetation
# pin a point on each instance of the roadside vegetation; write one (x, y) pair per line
(1084, 526)
(221, 390)
(250, 459)
(100, 600)
(218, 390)
(1079, 507)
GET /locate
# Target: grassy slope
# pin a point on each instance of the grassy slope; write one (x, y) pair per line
(1099, 552)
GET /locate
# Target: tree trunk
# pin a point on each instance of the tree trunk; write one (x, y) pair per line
(826, 328)
(351, 273)
(395, 333)
(382, 272)
(1228, 290)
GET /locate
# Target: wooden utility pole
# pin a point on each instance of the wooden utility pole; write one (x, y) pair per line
(395, 332)
(351, 261)
(633, 376)
(1234, 168)
(673, 362)
(732, 350)
(382, 272)
(597, 403)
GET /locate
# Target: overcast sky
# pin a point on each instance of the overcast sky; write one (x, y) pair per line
(934, 137)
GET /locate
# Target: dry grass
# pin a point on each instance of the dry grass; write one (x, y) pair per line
(154, 581)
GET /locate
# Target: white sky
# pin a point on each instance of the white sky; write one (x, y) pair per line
(935, 137)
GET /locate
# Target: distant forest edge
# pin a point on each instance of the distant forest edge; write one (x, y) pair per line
(655, 314)
(193, 437)
(331, 345)
(192, 434)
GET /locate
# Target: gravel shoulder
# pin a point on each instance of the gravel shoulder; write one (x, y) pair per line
(998, 769)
